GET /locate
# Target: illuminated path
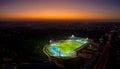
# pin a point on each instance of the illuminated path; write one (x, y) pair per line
(101, 63)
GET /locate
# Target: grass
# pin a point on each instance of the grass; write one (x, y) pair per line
(67, 46)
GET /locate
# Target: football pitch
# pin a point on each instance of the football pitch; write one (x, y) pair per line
(66, 47)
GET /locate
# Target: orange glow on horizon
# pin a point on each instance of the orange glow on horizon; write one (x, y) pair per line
(61, 16)
(57, 10)
(54, 15)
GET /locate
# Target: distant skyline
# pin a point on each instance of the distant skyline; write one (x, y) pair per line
(60, 10)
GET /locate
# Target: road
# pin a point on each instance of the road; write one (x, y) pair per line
(102, 61)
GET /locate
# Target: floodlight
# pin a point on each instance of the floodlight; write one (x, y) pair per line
(86, 38)
(50, 41)
(72, 36)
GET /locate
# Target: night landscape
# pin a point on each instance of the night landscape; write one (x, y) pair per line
(59, 34)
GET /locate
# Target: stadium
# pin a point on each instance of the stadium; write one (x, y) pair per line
(65, 48)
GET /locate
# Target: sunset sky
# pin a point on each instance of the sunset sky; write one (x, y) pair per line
(60, 9)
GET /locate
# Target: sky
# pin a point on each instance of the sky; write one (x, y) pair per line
(60, 9)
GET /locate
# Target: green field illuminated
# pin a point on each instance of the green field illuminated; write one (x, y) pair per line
(67, 46)
(64, 47)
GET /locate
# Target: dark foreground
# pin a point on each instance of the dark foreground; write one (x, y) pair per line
(21, 45)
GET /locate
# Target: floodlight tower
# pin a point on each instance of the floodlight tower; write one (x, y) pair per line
(72, 36)
(50, 41)
(86, 38)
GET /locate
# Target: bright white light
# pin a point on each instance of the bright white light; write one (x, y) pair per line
(77, 40)
(85, 42)
(72, 36)
(69, 40)
(62, 55)
(55, 44)
(86, 38)
(50, 41)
